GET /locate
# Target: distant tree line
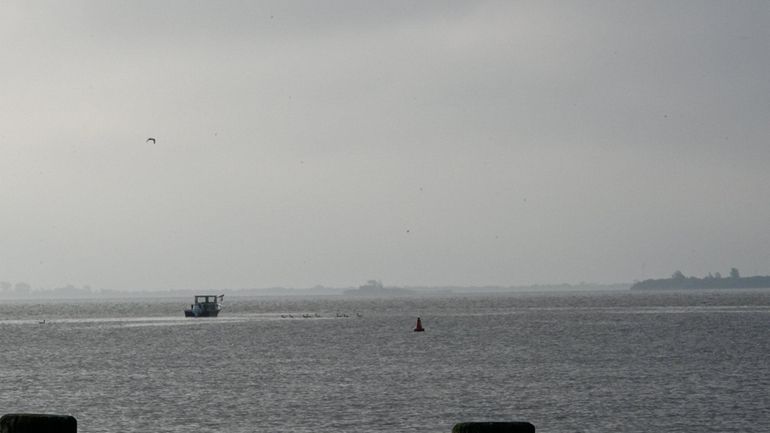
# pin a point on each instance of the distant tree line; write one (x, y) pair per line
(711, 281)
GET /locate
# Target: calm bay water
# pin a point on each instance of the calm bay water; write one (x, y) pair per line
(567, 362)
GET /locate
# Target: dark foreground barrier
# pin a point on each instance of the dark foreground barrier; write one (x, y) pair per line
(37, 423)
(43, 423)
(493, 427)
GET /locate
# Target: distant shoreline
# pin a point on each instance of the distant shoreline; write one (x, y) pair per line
(680, 282)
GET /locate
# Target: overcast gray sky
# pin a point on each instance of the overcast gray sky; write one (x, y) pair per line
(420, 142)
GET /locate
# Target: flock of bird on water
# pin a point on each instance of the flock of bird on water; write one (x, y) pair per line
(316, 315)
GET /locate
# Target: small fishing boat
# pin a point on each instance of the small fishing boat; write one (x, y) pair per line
(205, 306)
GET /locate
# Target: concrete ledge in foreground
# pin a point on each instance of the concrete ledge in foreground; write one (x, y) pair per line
(493, 427)
(37, 423)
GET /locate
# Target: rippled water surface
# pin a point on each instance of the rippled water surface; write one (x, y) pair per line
(567, 362)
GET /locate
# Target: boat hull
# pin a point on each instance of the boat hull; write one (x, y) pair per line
(189, 313)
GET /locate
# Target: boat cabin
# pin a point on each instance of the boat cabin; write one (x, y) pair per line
(206, 299)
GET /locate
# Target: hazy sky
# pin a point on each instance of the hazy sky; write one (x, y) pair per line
(420, 142)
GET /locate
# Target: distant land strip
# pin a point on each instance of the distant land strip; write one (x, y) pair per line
(679, 281)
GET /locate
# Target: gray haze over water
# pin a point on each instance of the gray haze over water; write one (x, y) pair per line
(421, 143)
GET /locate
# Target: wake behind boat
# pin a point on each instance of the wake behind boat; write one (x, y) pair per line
(205, 306)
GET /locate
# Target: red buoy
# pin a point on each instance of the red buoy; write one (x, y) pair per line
(419, 327)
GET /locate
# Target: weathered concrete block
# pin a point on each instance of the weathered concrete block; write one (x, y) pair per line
(37, 423)
(492, 427)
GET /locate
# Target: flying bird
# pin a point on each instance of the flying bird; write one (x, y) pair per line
(149, 140)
